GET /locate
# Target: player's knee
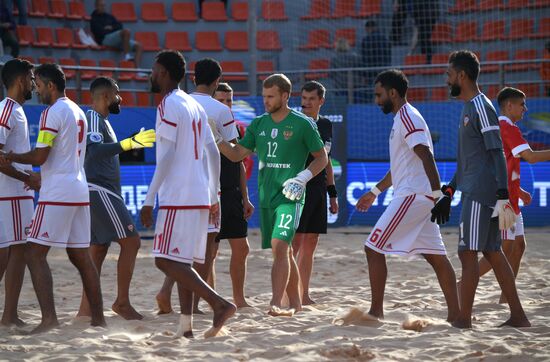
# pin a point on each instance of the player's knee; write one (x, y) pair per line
(521, 245)
(33, 253)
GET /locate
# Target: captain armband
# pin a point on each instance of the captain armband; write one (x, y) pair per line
(46, 138)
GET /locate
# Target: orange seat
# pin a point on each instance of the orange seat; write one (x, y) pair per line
(107, 63)
(442, 33)
(493, 30)
(316, 39)
(318, 9)
(239, 10)
(494, 56)
(491, 91)
(208, 41)
(343, 8)
(515, 4)
(543, 29)
(264, 66)
(273, 10)
(184, 11)
(233, 66)
(128, 98)
(58, 9)
(126, 76)
(521, 28)
(540, 4)
(72, 95)
(85, 97)
(416, 59)
(369, 8)
(177, 40)
(69, 73)
(531, 90)
(488, 5)
(213, 11)
(88, 73)
(523, 54)
(77, 10)
(153, 12)
(236, 40)
(417, 94)
(439, 94)
(346, 33)
(143, 99)
(268, 40)
(466, 31)
(44, 37)
(462, 6)
(318, 64)
(46, 60)
(438, 58)
(124, 12)
(64, 38)
(149, 40)
(25, 35)
(39, 8)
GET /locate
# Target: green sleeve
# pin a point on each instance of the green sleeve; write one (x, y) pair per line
(312, 137)
(249, 139)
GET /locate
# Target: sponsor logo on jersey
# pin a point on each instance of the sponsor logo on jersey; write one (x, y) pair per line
(45, 235)
(96, 137)
(462, 243)
(262, 133)
(389, 247)
(466, 120)
(277, 165)
(287, 134)
(175, 251)
(274, 133)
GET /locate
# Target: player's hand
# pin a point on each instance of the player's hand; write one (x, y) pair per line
(4, 160)
(333, 205)
(294, 189)
(441, 212)
(506, 215)
(248, 209)
(34, 182)
(525, 197)
(143, 139)
(365, 202)
(214, 128)
(214, 216)
(146, 216)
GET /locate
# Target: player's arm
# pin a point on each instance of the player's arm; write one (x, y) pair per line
(368, 198)
(35, 157)
(535, 156)
(11, 171)
(214, 170)
(428, 162)
(331, 188)
(234, 152)
(248, 208)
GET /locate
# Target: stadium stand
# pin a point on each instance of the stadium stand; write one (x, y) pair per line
(184, 11)
(213, 11)
(178, 40)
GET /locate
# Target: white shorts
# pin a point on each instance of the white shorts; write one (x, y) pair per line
(15, 220)
(180, 235)
(514, 231)
(405, 228)
(61, 226)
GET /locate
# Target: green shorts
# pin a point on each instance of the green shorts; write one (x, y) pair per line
(279, 223)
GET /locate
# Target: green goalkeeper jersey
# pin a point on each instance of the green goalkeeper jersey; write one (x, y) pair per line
(282, 150)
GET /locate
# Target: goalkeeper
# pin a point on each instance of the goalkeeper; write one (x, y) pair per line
(282, 139)
(110, 219)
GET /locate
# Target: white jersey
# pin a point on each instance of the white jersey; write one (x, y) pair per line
(220, 113)
(14, 135)
(63, 176)
(183, 122)
(407, 172)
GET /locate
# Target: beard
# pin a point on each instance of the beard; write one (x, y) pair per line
(455, 90)
(155, 87)
(273, 108)
(387, 106)
(44, 98)
(114, 108)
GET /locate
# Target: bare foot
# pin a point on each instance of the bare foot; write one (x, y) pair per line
(375, 314)
(308, 301)
(221, 314)
(517, 322)
(462, 324)
(98, 323)
(164, 304)
(241, 304)
(16, 321)
(198, 311)
(275, 311)
(84, 311)
(126, 311)
(45, 326)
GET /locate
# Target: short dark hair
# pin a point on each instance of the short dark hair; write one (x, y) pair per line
(370, 24)
(50, 72)
(13, 69)
(313, 85)
(393, 79)
(102, 83)
(207, 70)
(173, 62)
(279, 80)
(465, 60)
(224, 87)
(507, 93)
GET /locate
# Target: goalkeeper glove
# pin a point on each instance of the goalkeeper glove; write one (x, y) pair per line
(143, 139)
(503, 209)
(442, 209)
(294, 188)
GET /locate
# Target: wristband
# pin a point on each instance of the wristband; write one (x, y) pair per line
(331, 189)
(376, 191)
(304, 176)
(437, 194)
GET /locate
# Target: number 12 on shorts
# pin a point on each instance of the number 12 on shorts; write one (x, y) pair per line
(286, 219)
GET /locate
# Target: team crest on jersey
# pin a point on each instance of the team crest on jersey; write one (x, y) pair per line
(274, 133)
(287, 134)
(466, 120)
(96, 137)
(27, 230)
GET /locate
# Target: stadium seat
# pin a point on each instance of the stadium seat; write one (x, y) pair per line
(493, 30)
(439, 94)
(72, 95)
(318, 9)
(27, 58)
(268, 40)
(124, 12)
(488, 5)
(107, 63)
(416, 59)
(213, 11)
(369, 8)
(236, 41)
(77, 44)
(69, 73)
(442, 33)
(316, 39)
(233, 66)
(128, 98)
(346, 33)
(531, 90)
(39, 8)
(492, 91)
(543, 29)
(515, 4)
(77, 11)
(540, 4)
(520, 29)
(153, 12)
(85, 97)
(88, 74)
(239, 10)
(126, 76)
(494, 56)
(523, 54)
(184, 11)
(143, 99)
(438, 58)
(58, 9)
(44, 37)
(149, 40)
(318, 64)
(264, 66)
(273, 10)
(417, 94)
(208, 41)
(465, 31)
(343, 8)
(463, 6)
(25, 35)
(45, 60)
(64, 38)
(177, 40)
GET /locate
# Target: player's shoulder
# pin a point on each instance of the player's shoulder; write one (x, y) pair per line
(302, 119)
(483, 106)
(95, 121)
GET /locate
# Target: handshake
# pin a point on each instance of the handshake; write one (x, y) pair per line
(31, 179)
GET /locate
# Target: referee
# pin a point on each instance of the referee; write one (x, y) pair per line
(314, 216)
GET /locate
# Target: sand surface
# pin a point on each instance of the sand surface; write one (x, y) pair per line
(339, 285)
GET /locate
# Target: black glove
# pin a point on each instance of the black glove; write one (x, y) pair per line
(442, 209)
